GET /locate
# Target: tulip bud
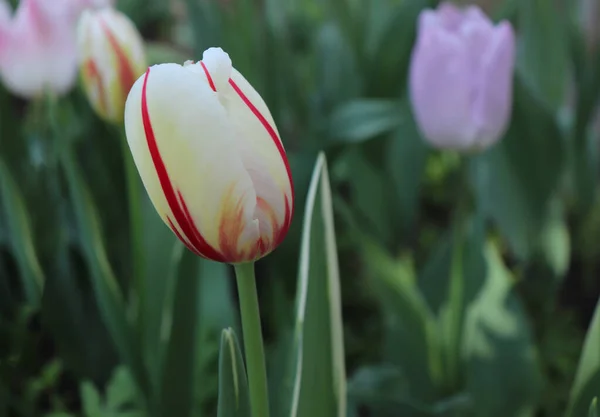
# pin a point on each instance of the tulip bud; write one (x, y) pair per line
(37, 49)
(461, 74)
(111, 59)
(210, 157)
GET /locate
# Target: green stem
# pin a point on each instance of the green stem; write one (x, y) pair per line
(135, 226)
(253, 343)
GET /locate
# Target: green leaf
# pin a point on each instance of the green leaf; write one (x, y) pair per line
(390, 27)
(121, 390)
(411, 339)
(106, 288)
(161, 257)
(498, 343)
(515, 180)
(234, 398)
(364, 119)
(405, 162)
(369, 191)
(21, 236)
(319, 375)
(91, 400)
(587, 377)
(555, 240)
(177, 388)
(543, 44)
(593, 412)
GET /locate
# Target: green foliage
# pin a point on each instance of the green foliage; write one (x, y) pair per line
(477, 274)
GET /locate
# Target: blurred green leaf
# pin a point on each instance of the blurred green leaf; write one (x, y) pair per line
(515, 179)
(369, 191)
(21, 236)
(587, 379)
(411, 331)
(234, 398)
(364, 119)
(177, 396)
(406, 155)
(555, 240)
(388, 43)
(543, 58)
(318, 375)
(161, 257)
(501, 361)
(106, 289)
(593, 412)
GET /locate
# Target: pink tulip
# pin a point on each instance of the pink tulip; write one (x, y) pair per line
(461, 75)
(38, 47)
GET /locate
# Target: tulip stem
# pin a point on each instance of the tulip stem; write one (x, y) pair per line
(253, 342)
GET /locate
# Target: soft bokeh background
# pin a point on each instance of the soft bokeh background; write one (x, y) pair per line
(334, 74)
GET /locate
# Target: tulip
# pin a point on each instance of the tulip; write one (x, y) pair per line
(37, 49)
(210, 158)
(461, 74)
(111, 59)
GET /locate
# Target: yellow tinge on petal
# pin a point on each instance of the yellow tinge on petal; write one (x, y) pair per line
(112, 58)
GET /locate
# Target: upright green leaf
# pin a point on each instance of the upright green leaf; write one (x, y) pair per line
(543, 51)
(501, 361)
(234, 398)
(515, 180)
(107, 291)
(319, 375)
(593, 412)
(587, 378)
(21, 238)
(412, 342)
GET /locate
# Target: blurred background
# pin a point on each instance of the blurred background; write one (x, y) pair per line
(76, 341)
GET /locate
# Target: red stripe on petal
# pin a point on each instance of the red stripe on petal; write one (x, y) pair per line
(181, 214)
(126, 75)
(181, 238)
(271, 131)
(208, 77)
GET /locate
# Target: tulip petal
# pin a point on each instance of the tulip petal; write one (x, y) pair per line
(492, 109)
(39, 51)
(258, 142)
(185, 150)
(440, 86)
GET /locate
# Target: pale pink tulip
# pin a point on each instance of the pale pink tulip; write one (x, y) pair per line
(461, 77)
(38, 48)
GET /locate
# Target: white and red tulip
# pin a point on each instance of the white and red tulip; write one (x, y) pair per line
(210, 157)
(111, 53)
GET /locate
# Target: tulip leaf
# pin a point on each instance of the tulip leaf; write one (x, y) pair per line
(587, 377)
(161, 254)
(390, 27)
(405, 162)
(543, 44)
(364, 119)
(197, 305)
(498, 342)
(593, 411)
(412, 342)
(515, 180)
(318, 371)
(21, 236)
(108, 294)
(234, 397)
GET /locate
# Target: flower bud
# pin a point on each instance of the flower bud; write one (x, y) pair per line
(210, 158)
(111, 59)
(461, 75)
(37, 49)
